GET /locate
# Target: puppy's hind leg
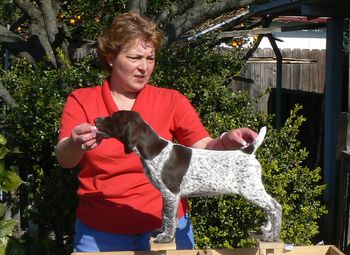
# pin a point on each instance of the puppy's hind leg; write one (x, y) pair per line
(169, 214)
(273, 224)
(271, 229)
(276, 218)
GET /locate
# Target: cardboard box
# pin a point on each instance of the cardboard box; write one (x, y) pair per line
(263, 248)
(266, 250)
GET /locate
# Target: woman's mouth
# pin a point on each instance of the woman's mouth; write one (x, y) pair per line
(140, 78)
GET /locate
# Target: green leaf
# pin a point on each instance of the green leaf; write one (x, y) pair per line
(6, 227)
(9, 180)
(3, 152)
(3, 140)
(3, 208)
(3, 243)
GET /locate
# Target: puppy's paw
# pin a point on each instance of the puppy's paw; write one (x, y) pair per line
(266, 228)
(164, 238)
(156, 232)
(268, 237)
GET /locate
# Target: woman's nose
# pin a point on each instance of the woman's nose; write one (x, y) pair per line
(143, 64)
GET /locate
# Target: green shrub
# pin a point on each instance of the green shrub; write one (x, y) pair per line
(32, 126)
(9, 182)
(203, 75)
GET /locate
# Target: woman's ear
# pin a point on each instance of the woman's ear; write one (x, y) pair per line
(110, 59)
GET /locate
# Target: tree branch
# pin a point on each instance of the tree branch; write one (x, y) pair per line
(55, 6)
(49, 19)
(38, 29)
(137, 5)
(8, 37)
(5, 95)
(15, 44)
(177, 8)
(28, 8)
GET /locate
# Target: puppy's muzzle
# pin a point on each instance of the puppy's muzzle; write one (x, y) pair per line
(99, 123)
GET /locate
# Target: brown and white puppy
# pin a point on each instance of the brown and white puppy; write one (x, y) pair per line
(179, 171)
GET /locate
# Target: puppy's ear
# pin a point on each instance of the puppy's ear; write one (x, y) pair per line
(130, 137)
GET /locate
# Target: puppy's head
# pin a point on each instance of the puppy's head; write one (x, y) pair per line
(122, 125)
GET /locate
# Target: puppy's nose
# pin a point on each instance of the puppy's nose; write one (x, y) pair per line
(98, 121)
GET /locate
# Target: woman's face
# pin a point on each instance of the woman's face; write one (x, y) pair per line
(132, 67)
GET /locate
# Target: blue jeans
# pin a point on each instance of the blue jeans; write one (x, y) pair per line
(87, 239)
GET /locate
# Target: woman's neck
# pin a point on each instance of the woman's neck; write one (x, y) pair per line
(124, 101)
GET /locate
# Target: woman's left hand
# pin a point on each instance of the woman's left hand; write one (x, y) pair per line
(234, 139)
(237, 138)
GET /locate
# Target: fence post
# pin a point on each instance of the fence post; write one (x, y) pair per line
(333, 95)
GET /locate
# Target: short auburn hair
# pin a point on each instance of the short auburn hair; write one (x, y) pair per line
(126, 28)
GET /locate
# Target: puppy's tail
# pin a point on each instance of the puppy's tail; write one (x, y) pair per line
(252, 147)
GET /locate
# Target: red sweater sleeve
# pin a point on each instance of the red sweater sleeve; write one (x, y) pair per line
(73, 115)
(82, 106)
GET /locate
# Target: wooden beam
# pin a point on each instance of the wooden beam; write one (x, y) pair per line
(284, 61)
(249, 32)
(273, 7)
(242, 15)
(269, 30)
(329, 10)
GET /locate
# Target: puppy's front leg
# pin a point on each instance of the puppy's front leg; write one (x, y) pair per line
(169, 224)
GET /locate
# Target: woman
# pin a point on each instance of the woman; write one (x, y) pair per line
(118, 207)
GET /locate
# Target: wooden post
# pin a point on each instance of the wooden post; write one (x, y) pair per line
(349, 73)
(333, 95)
(279, 59)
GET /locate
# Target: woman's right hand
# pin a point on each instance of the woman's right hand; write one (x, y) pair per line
(70, 150)
(85, 136)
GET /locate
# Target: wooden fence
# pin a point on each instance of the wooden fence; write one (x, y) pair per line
(302, 70)
(303, 78)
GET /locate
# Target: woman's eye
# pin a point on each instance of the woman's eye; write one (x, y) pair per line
(137, 58)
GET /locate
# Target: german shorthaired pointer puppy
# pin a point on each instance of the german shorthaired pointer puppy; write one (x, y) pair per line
(179, 171)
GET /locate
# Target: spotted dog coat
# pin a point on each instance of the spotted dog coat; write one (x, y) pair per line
(179, 171)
